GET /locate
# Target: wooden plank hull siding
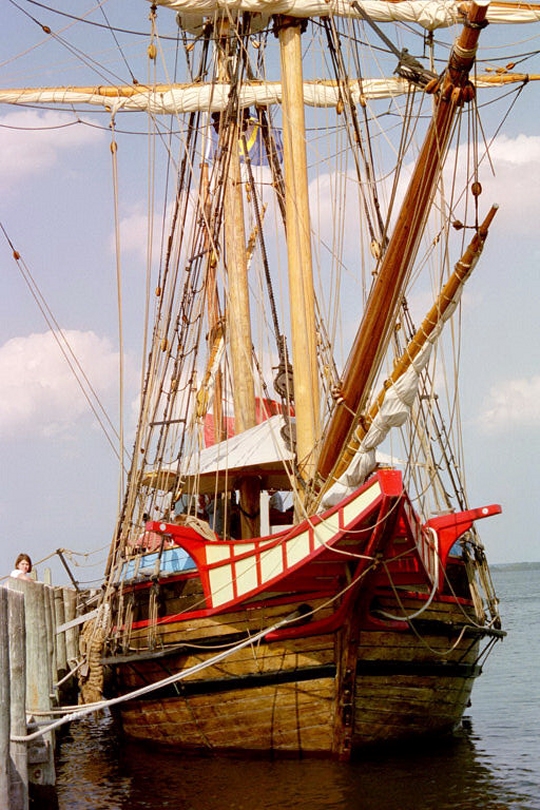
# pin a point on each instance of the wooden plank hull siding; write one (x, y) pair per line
(290, 718)
(323, 695)
(416, 683)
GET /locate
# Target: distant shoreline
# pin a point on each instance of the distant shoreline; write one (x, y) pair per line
(516, 566)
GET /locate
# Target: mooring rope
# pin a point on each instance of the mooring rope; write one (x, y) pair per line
(78, 714)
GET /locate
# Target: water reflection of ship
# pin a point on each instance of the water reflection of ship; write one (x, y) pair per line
(452, 773)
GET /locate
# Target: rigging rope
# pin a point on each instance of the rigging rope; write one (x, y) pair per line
(59, 335)
(114, 149)
(79, 713)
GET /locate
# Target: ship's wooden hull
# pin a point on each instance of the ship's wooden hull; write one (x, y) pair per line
(384, 644)
(326, 694)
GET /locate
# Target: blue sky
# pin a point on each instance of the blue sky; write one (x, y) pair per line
(59, 475)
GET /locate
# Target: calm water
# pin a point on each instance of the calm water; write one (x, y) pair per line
(493, 765)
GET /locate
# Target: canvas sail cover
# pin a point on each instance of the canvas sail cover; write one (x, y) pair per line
(260, 451)
(430, 14)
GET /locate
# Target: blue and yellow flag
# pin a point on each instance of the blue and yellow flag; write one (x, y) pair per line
(255, 144)
(254, 141)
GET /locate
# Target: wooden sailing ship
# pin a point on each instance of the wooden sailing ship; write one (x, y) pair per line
(359, 610)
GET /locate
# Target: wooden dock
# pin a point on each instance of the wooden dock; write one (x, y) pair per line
(39, 655)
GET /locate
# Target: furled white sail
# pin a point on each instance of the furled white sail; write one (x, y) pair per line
(178, 99)
(429, 14)
(394, 412)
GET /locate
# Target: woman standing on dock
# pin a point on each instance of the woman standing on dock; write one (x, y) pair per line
(23, 566)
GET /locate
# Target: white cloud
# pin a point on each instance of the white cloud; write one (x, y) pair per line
(515, 403)
(134, 233)
(523, 150)
(31, 141)
(40, 396)
(134, 229)
(516, 184)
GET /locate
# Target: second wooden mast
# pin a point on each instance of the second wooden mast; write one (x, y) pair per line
(371, 342)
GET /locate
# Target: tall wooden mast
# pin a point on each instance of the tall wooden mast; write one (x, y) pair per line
(303, 332)
(238, 309)
(432, 323)
(375, 329)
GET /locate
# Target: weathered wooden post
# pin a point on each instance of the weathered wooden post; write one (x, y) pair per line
(60, 616)
(41, 770)
(5, 721)
(72, 635)
(17, 674)
(50, 628)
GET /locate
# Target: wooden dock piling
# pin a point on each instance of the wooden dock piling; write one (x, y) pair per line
(17, 674)
(5, 702)
(35, 662)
